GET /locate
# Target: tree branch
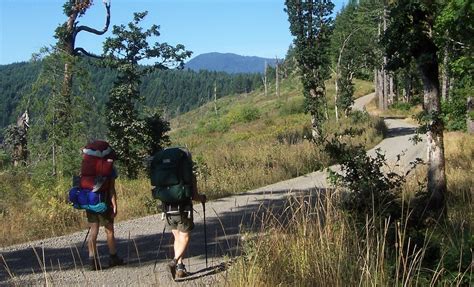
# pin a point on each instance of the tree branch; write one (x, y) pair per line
(78, 51)
(94, 31)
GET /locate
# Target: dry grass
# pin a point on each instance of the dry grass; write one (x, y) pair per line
(313, 243)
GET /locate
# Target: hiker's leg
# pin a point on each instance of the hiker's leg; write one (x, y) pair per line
(92, 241)
(181, 241)
(109, 231)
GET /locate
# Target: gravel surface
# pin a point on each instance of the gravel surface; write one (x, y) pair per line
(61, 261)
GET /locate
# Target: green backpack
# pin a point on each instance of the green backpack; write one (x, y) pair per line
(171, 174)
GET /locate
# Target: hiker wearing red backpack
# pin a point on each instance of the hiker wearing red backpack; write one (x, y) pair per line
(175, 185)
(98, 176)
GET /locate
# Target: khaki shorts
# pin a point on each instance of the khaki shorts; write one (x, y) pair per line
(181, 222)
(102, 218)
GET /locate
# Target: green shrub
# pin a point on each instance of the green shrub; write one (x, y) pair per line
(217, 125)
(454, 114)
(401, 106)
(243, 114)
(292, 106)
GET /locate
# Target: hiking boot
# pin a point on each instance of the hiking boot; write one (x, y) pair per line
(181, 271)
(94, 264)
(172, 267)
(114, 260)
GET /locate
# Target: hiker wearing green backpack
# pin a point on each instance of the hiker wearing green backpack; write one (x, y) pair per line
(175, 185)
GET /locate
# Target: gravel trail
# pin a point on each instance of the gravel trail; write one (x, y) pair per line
(61, 261)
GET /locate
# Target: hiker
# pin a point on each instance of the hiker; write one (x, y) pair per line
(100, 177)
(175, 185)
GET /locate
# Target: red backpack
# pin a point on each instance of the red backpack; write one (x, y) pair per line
(97, 166)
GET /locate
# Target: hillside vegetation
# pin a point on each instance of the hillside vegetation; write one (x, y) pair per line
(252, 141)
(177, 90)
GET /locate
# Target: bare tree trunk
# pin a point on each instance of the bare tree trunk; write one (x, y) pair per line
(376, 83)
(215, 98)
(380, 82)
(469, 121)
(336, 86)
(435, 145)
(277, 79)
(391, 90)
(315, 128)
(384, 71)
(265, 79)
(445, 75)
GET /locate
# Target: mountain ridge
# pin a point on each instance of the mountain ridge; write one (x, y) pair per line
(229, 63)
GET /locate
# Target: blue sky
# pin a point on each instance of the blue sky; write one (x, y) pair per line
(245, 27)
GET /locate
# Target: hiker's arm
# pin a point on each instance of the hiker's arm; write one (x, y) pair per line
(113, 198)
(196, 195)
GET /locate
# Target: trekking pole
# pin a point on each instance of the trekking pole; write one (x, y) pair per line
(205, 231)
(159, 247)
(85, 239)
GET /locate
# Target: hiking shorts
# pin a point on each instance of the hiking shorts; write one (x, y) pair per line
(181, 221)
(102, 218)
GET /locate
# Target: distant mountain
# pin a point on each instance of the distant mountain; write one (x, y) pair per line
(228, 62)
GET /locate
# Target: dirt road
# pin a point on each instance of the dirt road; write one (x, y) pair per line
(61, 260)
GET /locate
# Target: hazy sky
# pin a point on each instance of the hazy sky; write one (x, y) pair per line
(245, 27)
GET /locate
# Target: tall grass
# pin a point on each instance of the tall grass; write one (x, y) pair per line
(315, 243)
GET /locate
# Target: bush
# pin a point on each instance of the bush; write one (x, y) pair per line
(243, 114)
(292, 106)
(401, 106)
(454, 114)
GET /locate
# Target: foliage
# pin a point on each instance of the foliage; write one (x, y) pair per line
(156, 129)
(454, 114)
(370, 189)
(311, 25)
(15, 139)
(175, 91)
(353, 48)
(50, 139)
(128, 132)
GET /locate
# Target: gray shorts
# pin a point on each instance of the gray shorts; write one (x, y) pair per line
(182, 221)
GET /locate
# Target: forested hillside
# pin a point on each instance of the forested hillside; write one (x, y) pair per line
(177, 91)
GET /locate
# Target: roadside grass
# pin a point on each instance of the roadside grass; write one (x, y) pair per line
(254, 140)
(314, 243)
(398, 110)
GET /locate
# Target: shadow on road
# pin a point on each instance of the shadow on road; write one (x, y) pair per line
(223, 233)
(400, 131)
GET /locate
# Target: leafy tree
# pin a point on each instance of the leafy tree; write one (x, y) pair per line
(155, 132)
(311, 25)
(354, 48)
(124, 51)
(412, 23)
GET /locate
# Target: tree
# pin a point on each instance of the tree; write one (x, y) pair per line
(345, 58)
(129, 45)
(311, 25)
(412, 23)
(15, 139)
(66, 35)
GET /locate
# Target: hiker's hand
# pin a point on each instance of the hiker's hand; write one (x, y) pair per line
(203, 198)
